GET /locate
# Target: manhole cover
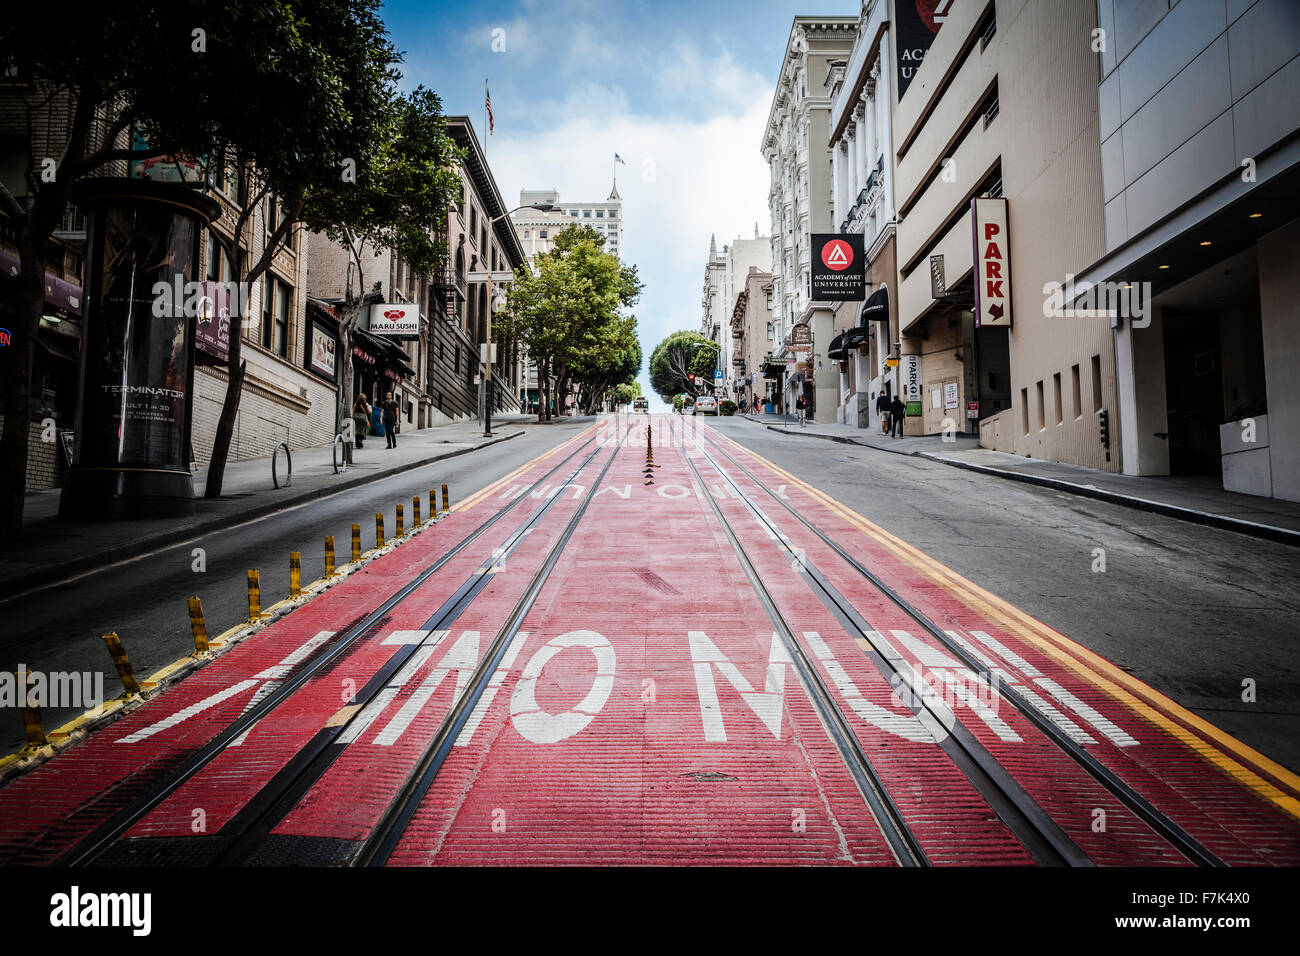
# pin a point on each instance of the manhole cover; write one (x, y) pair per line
(709, 776)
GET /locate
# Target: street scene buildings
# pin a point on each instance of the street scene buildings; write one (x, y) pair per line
(947, 513)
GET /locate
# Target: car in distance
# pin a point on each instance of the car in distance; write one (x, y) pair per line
(641, 404)
(705, 405)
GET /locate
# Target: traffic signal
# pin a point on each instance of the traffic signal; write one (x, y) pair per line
(1103, 422)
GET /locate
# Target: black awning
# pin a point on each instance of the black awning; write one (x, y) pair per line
(835, 350)
(854, 337)
(876, 308)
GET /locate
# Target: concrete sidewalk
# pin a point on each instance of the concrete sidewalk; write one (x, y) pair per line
(51, 550)
(1197, 498)
(847, 434)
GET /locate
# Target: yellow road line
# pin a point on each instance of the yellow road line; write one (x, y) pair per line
(483, 493)
(1079, 660)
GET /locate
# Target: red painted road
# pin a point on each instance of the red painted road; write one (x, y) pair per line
(647, 713)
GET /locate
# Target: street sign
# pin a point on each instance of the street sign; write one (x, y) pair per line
(992, 266)
(717, 375)
(837, 267)
(483, 352)
(973, 410)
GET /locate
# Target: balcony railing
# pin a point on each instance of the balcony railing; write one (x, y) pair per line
(449, 279)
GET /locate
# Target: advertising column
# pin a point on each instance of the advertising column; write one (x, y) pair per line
(132, 449)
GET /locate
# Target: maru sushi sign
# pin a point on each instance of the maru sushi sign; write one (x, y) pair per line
(992, 261)
(400, 319)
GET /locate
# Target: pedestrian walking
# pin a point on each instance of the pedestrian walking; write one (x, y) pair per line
(360, 420)
(801, 404)
(896, 412)
(390, 408)
(882, 406)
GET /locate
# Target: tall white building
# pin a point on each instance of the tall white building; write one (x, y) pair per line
(725, 275)
(801, 200)
(537, 231)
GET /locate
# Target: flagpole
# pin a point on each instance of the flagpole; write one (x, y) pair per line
(486, 123)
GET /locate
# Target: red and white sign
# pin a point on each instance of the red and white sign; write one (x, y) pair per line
(395, 318)
(837, 255)
(992, 261)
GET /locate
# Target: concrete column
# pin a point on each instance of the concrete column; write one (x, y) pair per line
(1279, 288)
(1143, 405)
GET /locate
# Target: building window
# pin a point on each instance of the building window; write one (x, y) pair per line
(1096, 383)
(600, 214)
(769, 326)
(542, 234)
(988, 30)
(455, 365)
(473, 223)
(275, 315)
(1056, 394)
(1042, 410)
(990, 109)
(586, 214)
(1024, 410)
(1074, 384)
(613, 214)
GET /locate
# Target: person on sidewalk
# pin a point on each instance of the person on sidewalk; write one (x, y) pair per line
(896, 412)
(360, 420)
(800, 404)
(882, 406)
(390, 420)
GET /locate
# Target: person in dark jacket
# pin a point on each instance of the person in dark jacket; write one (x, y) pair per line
(390, 420)
(896, 412)
(882, 407)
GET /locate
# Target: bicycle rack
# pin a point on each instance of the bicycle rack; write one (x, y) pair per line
(288, 457)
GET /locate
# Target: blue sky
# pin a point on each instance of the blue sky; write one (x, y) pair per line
(680, 90)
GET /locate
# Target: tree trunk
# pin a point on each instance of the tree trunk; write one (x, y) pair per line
(346, 385)
(17, 388)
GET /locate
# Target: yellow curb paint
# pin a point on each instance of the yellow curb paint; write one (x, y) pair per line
(1080, 661)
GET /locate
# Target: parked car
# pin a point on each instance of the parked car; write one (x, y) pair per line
(705, 405)
(641, 405)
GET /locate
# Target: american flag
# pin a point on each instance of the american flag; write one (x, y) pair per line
(619, 159)
(488, 105)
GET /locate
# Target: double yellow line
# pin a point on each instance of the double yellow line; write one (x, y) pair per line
(488, 491)
(1216, 746)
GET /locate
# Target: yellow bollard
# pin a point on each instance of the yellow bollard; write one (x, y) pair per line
(446, 501)
(356, 543)
(401, 522)
(254, 596)
(295, 574)
(415, 511)
(198, 627)
(130, 685)
(379, 529)
(32, 725)
(329, 555)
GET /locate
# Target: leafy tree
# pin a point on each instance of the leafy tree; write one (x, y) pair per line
(568, 311)
(613, 361)
(627, 392)
(300, 96)
(676, 358)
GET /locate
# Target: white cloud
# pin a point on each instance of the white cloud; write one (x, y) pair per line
(687, 177)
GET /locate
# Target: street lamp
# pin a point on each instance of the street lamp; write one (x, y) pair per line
(487, 366)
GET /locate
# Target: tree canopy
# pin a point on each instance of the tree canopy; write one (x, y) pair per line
(568, 312)
(679, 356)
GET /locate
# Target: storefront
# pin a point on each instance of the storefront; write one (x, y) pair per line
(55, 365)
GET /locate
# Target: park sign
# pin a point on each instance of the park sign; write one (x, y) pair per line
(395, 319)
(838, 274)
(992, 262)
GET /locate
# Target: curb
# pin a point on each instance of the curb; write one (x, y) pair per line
(1208, 518)
(37, 581)
(842, 439)
(16, 764)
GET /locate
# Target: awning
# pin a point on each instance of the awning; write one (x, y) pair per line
(854, 337)
(836, 350)
(876, 308)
